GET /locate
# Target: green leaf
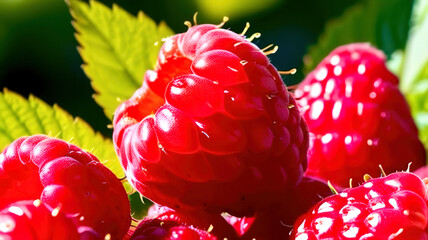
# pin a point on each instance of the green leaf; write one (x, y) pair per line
(415, 58)
(418, 101)
(24, 117)
(412, 68)
(383, 23)
(117, 49)
(139, 205)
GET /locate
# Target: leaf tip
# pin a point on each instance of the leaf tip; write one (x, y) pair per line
(79, 49)
(140, 15)
(84, 67)
(73, 22)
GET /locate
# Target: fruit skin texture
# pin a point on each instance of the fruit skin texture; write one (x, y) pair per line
(33, 220)
(163, 223)
(276, 223)
(61, 174)
(357, 117)
(156, 229)
(212, 127)
(391, 207)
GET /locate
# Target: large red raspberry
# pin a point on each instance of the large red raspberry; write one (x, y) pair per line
(213, 126)
(61, 174)
(33, 220)
(357, 117)
(391, 207)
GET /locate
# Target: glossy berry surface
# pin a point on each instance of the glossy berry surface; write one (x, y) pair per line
(33, 220)
(156, 229)
(391, 207)
(213, 126)
(357, 117)
(215, 224)
(61, 174)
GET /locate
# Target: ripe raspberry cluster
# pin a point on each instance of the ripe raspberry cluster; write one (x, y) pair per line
(392, 207)
(51, 189)
(352, 90)
(213, 127)
(215, 139)
(34, 220)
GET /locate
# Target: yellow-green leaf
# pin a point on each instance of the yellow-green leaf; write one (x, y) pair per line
(413, 69)
(116, 47)
(24, 117)
(415, 58)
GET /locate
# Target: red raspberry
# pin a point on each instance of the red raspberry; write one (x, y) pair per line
(163, 223)
(391, 207)
(156, 229)
(240, 224)
(61, 174)
(422, 173)
(33, 220)
(213, 126)
(277, 222)
(357, 117)
(213, 223)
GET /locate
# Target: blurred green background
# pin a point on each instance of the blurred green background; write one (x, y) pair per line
(38, 50)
